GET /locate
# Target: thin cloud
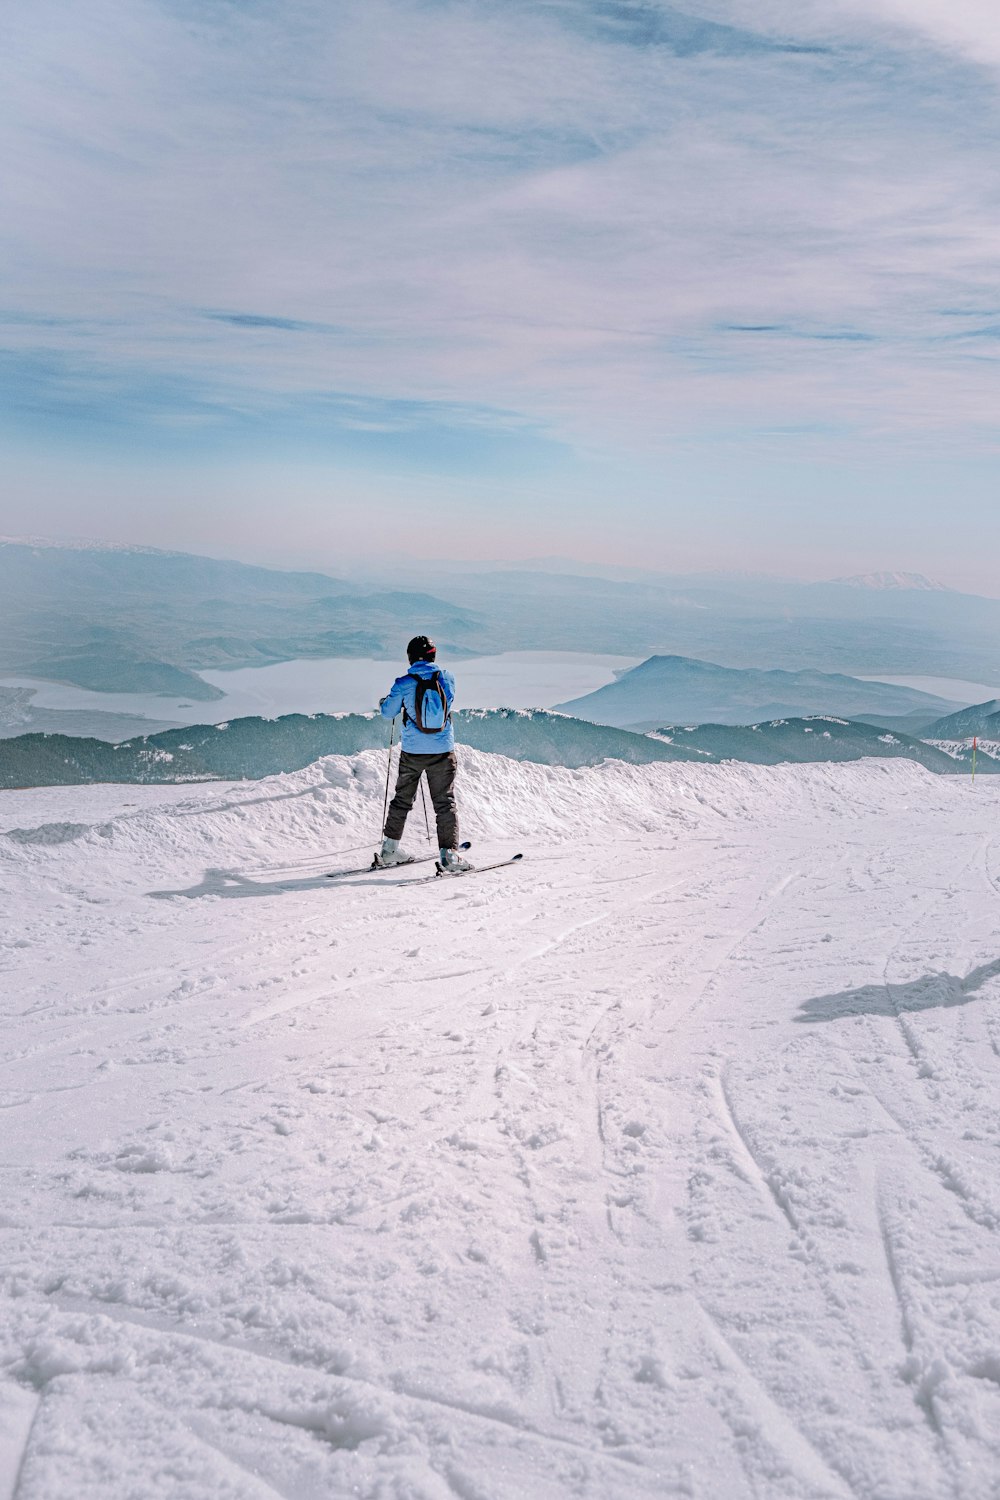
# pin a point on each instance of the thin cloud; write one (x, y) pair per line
(622, 222)
(260, 320)
(641, 23)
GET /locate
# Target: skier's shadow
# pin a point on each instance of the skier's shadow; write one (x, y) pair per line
(929, 992)
(236, 887)
(233, 886)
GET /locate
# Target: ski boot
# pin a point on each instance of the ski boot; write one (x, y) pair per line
(391, 854)
(451, 860)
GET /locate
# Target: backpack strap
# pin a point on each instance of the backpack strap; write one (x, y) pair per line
(406, 717)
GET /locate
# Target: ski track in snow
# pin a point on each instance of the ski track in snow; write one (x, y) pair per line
(664, 1163)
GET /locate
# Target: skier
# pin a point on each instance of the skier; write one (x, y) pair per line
(425, 695)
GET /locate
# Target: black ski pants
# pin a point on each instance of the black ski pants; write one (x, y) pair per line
(440, 771)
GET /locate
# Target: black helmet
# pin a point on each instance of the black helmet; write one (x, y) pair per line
(421, 648)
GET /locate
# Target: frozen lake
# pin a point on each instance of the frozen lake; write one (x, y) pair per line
(515, 679)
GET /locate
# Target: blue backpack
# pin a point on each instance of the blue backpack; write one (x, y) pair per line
(430, 708)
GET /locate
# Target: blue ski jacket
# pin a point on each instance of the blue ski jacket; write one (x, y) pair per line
(403, 694)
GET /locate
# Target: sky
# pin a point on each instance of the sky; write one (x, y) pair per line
(681, 288)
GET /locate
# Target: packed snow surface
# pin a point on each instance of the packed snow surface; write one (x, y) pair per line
(663, 1163)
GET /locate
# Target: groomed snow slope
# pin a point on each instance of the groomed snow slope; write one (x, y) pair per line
(664, 1163)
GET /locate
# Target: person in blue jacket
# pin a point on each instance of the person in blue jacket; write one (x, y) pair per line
(424, 695)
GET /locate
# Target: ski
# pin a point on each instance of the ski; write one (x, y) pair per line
(439, 868)
(378, 868)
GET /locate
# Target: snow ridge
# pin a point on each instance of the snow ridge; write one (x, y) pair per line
(893, 581)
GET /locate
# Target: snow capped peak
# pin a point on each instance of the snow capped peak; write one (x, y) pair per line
(79, 544)
(913, 581)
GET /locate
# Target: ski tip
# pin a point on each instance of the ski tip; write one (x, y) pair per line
(515, 857)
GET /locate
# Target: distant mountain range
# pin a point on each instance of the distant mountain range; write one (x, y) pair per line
(133, 620)
(734, 579)
(681, 689)
(253, 748)
(817, 738)
(892, 581)
(137, 620)
(982, 719)
(746, 620)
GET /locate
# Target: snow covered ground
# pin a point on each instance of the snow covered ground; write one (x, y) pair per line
(665, 1163)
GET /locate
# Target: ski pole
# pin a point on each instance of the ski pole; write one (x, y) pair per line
(388, 776)
(427, 821)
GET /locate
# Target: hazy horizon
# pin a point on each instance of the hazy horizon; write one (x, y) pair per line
(396, 565)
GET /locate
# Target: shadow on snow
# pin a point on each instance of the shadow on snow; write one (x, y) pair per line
(929, 992)
(233, 886)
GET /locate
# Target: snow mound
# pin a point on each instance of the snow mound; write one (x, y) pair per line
(336, 804)
(48, 833)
